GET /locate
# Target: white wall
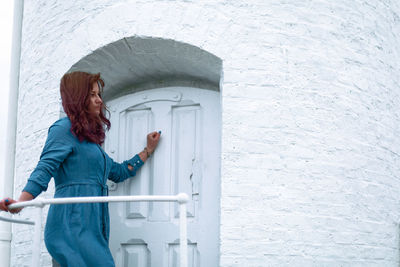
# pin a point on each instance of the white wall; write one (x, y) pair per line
(310, 101)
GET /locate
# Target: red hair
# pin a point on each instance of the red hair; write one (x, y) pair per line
(75, 88)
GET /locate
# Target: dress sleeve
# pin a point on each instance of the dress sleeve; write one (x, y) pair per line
(55, 151)
(119, 172)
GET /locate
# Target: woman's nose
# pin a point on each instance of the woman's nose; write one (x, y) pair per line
(98, 100)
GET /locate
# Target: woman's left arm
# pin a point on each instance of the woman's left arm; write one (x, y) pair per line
(120, 172)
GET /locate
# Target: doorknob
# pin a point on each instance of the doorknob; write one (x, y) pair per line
(112, 186)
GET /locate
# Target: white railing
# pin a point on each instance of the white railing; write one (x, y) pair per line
(181, 198)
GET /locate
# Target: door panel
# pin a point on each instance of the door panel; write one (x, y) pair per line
(135, 254)
(134, 124)
(186, 153)
(186, 160)
(173, 255)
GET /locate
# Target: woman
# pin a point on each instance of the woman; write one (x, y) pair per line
(77, 234)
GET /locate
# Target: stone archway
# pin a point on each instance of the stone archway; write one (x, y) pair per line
(133, 64)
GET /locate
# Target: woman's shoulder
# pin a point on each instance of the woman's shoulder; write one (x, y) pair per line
(61, 128)
(63, 122)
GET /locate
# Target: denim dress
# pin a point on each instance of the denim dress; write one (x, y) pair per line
(77, 234)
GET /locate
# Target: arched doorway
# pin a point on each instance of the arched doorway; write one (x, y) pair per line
(155, 84)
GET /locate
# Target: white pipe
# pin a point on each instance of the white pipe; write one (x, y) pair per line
(68, 200)
(5, 219)
(7, 178)
(183, 235)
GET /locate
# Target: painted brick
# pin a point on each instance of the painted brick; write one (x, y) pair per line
(310, 154)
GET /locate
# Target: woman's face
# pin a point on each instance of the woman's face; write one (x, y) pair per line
(95, 100)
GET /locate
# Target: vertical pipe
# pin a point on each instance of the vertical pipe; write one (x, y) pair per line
(13, 98)
(7, 177)
(37, 237)
(183, 234)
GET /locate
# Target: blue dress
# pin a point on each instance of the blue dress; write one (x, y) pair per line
(77, 234)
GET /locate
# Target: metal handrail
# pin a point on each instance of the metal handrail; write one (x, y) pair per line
(5, 219)
(181, 198)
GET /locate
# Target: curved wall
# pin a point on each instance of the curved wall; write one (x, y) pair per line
(310, 97)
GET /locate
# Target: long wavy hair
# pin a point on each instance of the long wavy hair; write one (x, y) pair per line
(75, 89)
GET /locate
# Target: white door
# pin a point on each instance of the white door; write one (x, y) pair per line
(186, 160)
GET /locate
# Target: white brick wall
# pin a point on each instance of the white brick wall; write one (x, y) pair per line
(310, 96)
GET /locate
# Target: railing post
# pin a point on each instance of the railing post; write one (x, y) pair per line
(37, 234)
(183, 234)
(183, 245)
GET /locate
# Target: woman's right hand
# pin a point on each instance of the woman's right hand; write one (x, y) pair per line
(7, 201)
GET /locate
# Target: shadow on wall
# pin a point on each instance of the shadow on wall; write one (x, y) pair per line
(134, 64)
